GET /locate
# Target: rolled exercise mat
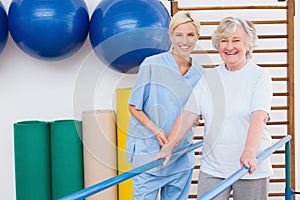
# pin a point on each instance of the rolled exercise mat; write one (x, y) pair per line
(66, 157)
(99, 151)
(32, 160)
(122, 95)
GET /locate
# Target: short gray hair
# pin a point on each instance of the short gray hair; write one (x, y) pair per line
(228, 26)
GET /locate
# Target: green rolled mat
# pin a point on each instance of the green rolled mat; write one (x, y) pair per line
(66, 157)
(32, 160)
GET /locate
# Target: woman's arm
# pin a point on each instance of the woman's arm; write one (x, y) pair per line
(248, 157)
(183, 123)
(159, 133)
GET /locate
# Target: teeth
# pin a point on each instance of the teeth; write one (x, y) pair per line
(233, 53)
(184, 47)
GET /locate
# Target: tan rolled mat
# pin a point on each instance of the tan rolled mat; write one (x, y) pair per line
(99, 151)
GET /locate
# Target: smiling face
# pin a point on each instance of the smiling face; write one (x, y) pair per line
(184, 38)
(233, 50)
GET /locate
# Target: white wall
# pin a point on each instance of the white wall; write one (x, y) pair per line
(34, 89)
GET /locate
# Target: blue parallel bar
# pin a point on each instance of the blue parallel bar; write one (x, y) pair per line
(81, 194)
(218, 189)
(288, 190)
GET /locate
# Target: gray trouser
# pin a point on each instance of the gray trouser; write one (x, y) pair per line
(243, 189)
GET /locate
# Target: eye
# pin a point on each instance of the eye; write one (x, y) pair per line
(224, 40)
(178, 34)
(191, 35)
(236, 40)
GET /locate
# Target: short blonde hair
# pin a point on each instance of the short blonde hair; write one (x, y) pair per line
(228, 26)
(182, 18)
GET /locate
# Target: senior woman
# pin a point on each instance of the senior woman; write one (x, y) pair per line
(246, 104)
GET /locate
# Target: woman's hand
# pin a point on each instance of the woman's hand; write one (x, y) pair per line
(161, 137)
(165, 152)
(248, 159)
(197, 121)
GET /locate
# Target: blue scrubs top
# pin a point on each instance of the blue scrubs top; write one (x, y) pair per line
(161, 92)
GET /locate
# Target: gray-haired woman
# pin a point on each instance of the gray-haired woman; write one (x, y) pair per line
(242, 132)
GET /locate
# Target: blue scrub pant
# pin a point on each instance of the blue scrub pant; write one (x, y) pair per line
(175, 186)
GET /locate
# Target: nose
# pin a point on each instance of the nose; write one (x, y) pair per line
(184, 39)
(229, 45)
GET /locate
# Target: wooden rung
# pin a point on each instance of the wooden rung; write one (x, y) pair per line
(279, 152)
(270, 22)
(192, 196)
(271, 181)
(231, 7)
(278, 166)
(278, 123)
(277, 180)
(206, 37)
(197, 167)
(198, 137)
(255, 51)
(277, 194)
(272, 36)
(280, 79)
(214, 23)
(273, 65)
(279, 108)
(275, 137)
(282, 180)
(278, 94)
(261, 65)
(270, 51)
(278, 137)
(198, 153)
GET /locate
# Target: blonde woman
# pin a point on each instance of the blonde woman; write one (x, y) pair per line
(162, 87)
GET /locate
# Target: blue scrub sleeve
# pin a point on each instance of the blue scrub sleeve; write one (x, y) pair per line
(140, 89)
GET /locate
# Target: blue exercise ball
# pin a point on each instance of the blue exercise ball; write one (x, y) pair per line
(124, 32)
(49, 29)
(3, 27)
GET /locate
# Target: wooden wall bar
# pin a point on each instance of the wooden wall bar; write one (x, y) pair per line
(284, 122)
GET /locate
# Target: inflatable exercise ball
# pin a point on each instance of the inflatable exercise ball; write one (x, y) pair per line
(3, 27)
(49, 29)
(124, 32)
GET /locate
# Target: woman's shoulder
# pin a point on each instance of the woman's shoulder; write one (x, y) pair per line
(258, 71)
(157, 57)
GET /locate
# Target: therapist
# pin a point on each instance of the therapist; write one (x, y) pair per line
(162, 87)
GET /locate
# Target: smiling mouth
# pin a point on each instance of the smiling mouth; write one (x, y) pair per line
(231, 53)
(184, 47)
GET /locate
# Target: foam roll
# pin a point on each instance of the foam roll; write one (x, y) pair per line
(32, 160)
(99, 151)
(66, 157)
(125, 188)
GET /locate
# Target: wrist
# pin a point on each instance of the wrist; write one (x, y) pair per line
(250, 151)
(153, 128)
(158, 131)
